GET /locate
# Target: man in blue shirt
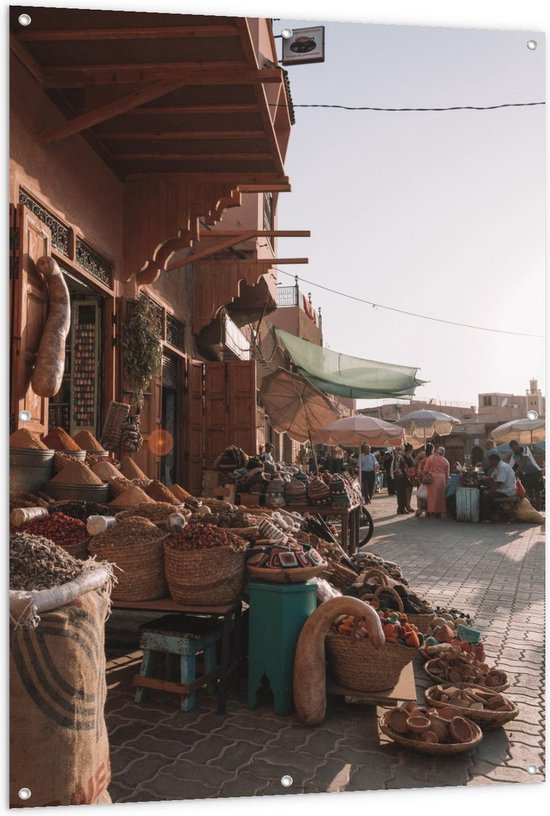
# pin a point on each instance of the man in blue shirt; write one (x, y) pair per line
(369, 466)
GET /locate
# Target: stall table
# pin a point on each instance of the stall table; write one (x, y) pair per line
(350, 518)
(232, 619)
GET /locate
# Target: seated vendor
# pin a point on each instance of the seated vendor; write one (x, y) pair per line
(529, 473)
(500, 484)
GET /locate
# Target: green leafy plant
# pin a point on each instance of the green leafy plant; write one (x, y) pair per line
(141, 348)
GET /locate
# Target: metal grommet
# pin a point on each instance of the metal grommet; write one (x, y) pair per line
(24, 20)
(532, 769)
(24, 416)
(286, 781)
(532, 45)
(24, 793)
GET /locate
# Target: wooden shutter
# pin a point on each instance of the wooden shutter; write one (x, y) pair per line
(30, 308)
(194, 428)
(241, 400)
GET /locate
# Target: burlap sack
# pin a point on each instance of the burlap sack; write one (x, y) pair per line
(59, 747)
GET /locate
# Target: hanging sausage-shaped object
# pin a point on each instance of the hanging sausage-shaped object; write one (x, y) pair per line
(50, 361)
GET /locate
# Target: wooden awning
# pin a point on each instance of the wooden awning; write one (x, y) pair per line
(162, 93)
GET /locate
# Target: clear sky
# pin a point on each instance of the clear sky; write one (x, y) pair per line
(442, 214)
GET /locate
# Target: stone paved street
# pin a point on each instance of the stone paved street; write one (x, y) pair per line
(493, 572)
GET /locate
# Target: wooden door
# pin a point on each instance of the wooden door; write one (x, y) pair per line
(30, 308)
(194, 428)
(241, 401)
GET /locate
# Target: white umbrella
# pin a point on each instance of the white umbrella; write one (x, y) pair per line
(428, 423)
(356, 429)
(524, 431)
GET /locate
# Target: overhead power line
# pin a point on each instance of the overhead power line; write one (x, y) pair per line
(417, 110)
(404, 312)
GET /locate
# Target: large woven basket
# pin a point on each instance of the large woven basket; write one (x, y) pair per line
(140, 576)
(357, 664)
(421, 621)
(208, 577)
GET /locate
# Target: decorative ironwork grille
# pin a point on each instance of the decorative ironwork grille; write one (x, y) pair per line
(94, 263)
(175, 332)
(60, 233)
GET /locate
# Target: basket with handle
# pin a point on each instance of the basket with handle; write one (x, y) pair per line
(385, 590)
(356, 664)
(420, 619)
(380, 574)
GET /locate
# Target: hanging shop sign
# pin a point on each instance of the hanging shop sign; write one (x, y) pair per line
(305, 45)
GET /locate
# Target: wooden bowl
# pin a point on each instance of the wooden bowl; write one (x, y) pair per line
(486, 719)
(441, 681)
(435, 748)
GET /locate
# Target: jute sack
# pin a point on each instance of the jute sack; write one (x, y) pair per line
(59, 747)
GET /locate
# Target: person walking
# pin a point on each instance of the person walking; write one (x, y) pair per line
(402, 462)
(421, 456)
(438, 468)
(387, 465)
(369, 466)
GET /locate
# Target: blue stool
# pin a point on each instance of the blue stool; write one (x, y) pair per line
(186, 637)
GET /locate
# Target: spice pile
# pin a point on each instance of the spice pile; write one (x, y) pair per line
(229, 518)
(59, 440)
(130, 496)
(126, 533)
(87, 441)
(59, 528)
(157, 512)
(37, 563)
(205, 536)
(81, 510)
(104, 469)
(26, 439)
(159, 493)
(76, 473)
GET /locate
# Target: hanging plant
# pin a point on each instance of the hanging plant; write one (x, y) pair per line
(141, 348)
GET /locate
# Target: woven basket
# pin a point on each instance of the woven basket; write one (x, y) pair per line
(357, 664)
(142, 577)
(380, 574)
(438, 749)
(421, 621)
(79, 550)
(209, 577)
(388, 590)
(487, 719)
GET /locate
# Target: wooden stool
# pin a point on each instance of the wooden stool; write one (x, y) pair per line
(187, 637)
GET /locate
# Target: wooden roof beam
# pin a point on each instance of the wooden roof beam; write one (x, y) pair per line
(28, 60)
(232, 73)
(265, 188)
(149, 33)
(238, 179)
(191, 110)
(259, 233)
(250, 261)
(112, 109)
(182, 135)
(244, 157)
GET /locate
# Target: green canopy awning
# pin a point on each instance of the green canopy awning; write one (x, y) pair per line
(347, 376)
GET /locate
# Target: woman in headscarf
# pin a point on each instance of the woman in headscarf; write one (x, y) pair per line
(438, 468)
(421, 456)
